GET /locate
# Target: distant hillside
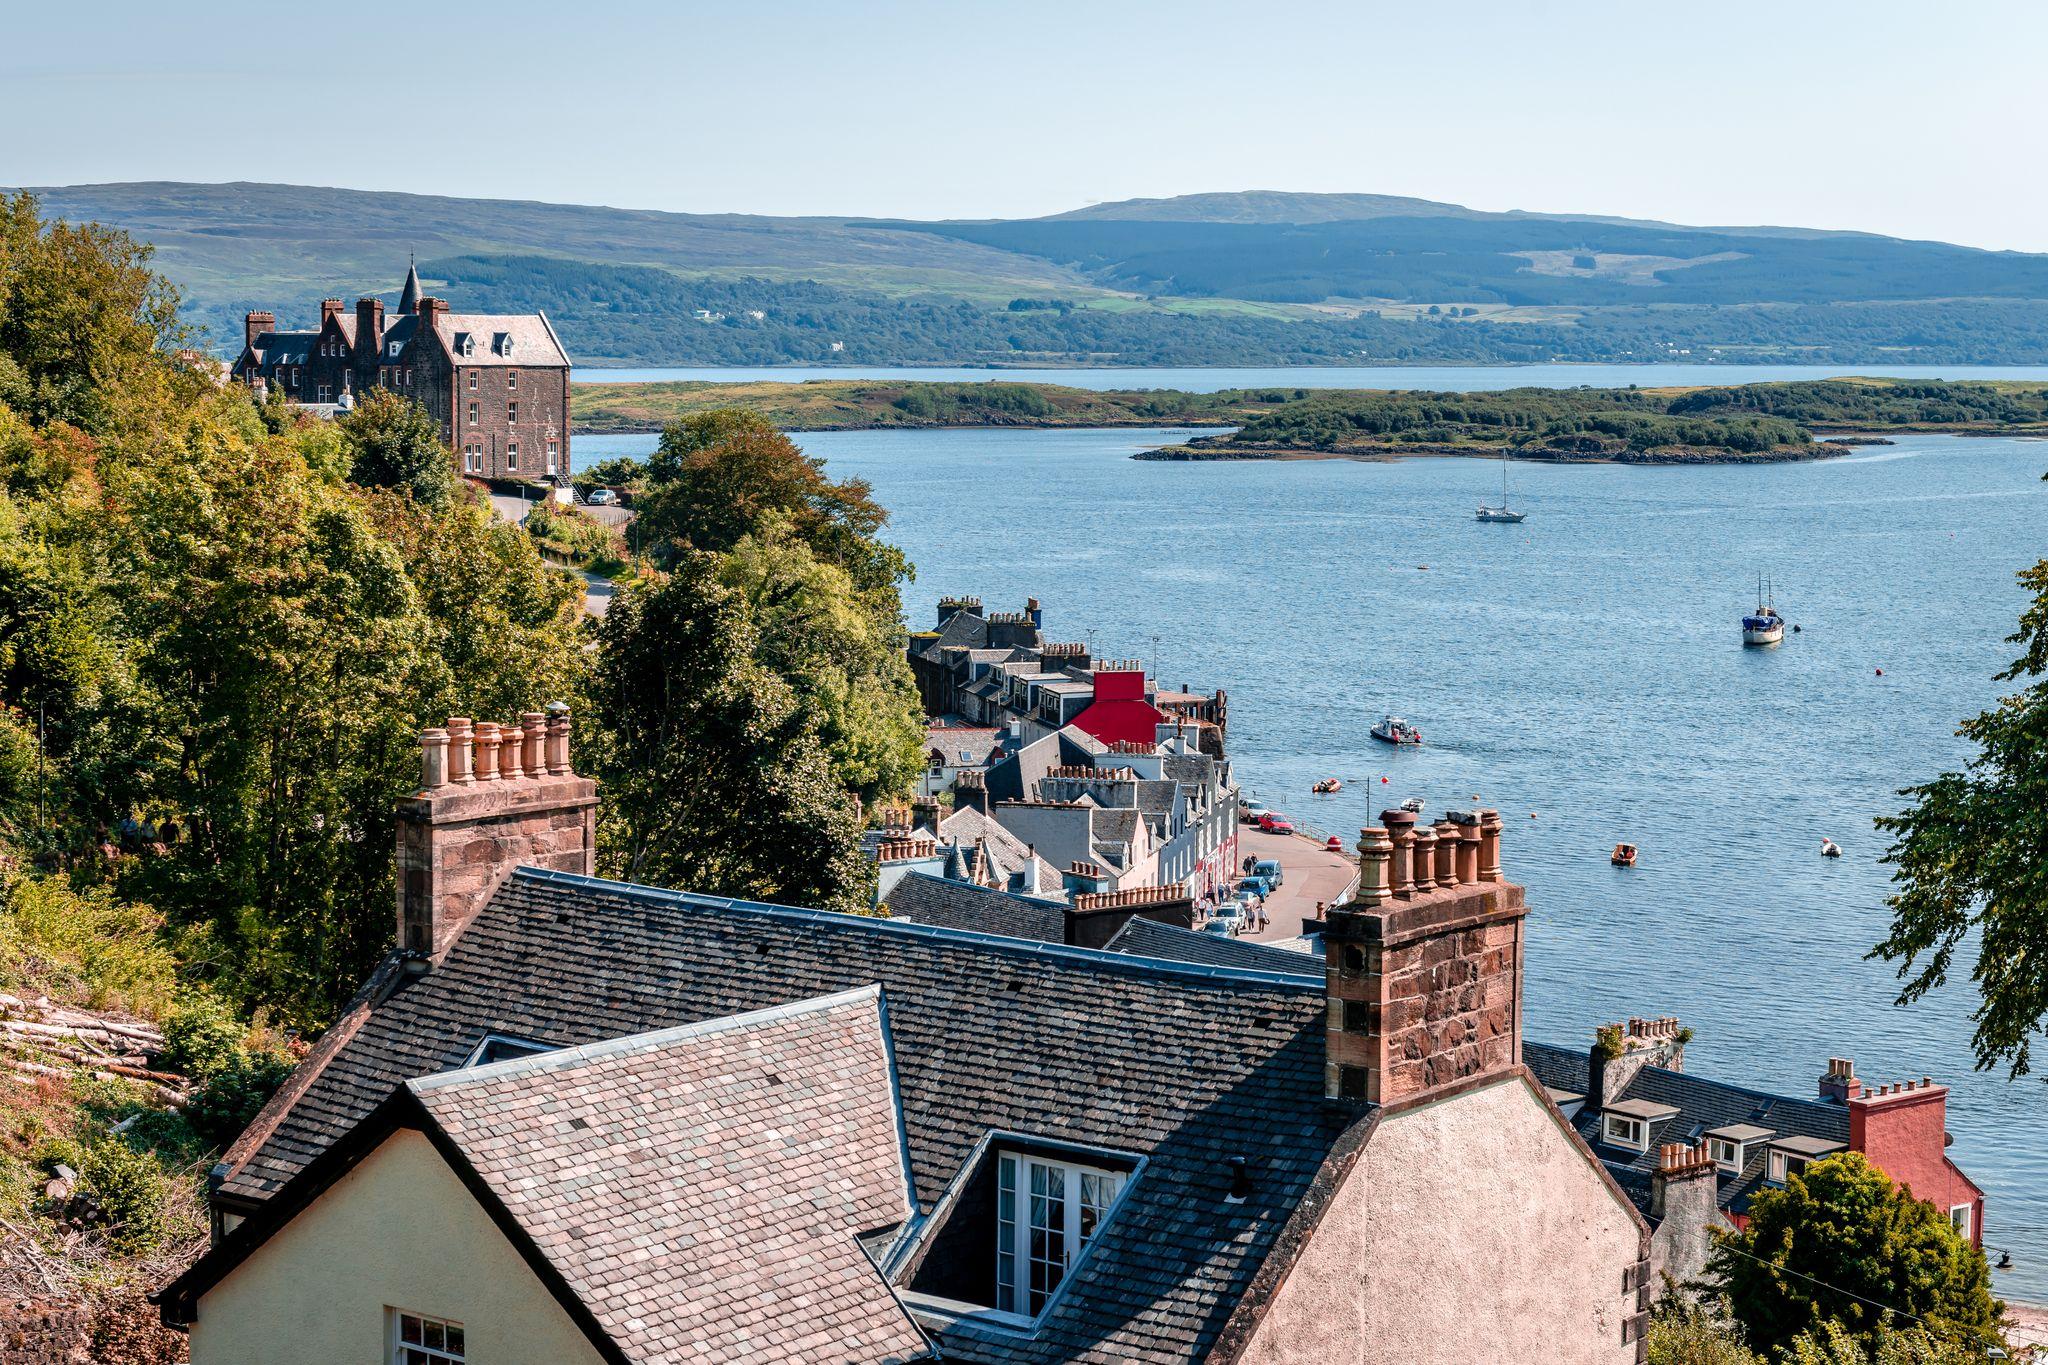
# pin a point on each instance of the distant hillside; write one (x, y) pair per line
(1261, 277)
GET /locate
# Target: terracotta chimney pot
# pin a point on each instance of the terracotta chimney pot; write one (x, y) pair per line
(1400, 827)
(558, 739)
(487, 747)
(1375, 851)
(433, 758)
(1489, 845)
(1425, 859)
(461, 757)
(510, 738)
(533, 743)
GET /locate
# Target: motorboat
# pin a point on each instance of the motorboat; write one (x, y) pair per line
(1413, 805)
(1624, 855)
(1502, 512)
(1327, 786)
(1764, 626)
(1394, 730)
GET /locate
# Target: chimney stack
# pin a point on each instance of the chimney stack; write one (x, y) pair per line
(432, 312)
(970, 791)
(369, 327)
(329, 308)
(924, 813)
(1424, 966)
(255, 325)
(1620, 1051)
(1840, 1083)
(484, 807)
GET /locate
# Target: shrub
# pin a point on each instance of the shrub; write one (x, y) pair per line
(85, 947)
(222, 1107)
(130, 1189)
(201, 1038)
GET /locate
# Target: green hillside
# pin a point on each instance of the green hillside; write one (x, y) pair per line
(1254, 278)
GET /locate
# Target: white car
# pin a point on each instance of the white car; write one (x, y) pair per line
(601, 497)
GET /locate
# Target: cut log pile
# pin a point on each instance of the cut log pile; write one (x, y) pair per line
(37, 1039)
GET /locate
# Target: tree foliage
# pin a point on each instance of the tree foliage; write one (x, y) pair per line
(1842, 1244)
(393, 442)
(712, 773)
(1971, 855)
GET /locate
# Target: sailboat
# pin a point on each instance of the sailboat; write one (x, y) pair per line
(1765, 626)
(1501, 513)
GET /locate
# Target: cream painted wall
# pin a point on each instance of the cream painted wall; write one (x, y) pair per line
(399, 1231)
(1472, 1229)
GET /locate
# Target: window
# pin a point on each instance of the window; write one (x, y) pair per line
(395, 346)
(472, 414)
(511, 454)
(472, 381)
(417, 1339)
(473, 455)
(499, 1047)
(512, 412)
(511, 379)
(1624, 1131)
(1725, 1153)
(1783, 1164)
(326, 393)
(1959, 1219)
(1046, 1214)
(554, 452)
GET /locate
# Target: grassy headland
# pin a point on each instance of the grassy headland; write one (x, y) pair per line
(1758, 422)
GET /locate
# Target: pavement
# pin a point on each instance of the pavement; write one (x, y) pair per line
(1311, 874)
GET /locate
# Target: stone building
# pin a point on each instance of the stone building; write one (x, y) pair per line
(572, 1119)
(497, 382)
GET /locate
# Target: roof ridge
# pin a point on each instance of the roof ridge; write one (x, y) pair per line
(633, 1043)
(1044, 902)
(1117, 963)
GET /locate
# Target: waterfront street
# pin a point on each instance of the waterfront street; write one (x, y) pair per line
(1313, 874)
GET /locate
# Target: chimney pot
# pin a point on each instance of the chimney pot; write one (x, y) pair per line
(510, 737)
(433, 758)
(461, 757)
(487, 747)
(533, 743)
(1375, 851)
(1489, 845)
(558, 739)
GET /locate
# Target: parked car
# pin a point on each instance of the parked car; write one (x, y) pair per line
(1251, 812)
(1257, 885)
(601, 497)
(1269, 868)
(1273, 822)
(1222, 927)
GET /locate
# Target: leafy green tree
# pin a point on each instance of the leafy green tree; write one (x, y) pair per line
(393, 442)
(1683, 1333)
(1842, 1244)
(1969, 859)
(713, 776)
(1832, 1344)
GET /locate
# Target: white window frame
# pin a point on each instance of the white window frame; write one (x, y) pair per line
(472, 381)
(396, 347)
(1015, 1171)
(1625, 1131)
(511, 454)
(472, 412)
(511, 379)
(1960, 1217)
(512, 411)
(1783, 1165)
(402, 1352)
(1727, 1153)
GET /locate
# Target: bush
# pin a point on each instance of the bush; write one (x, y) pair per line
(85, 947)
(201, 1038)
(130, 1189)
(222, 1107)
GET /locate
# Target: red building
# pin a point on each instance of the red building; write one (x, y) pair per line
(1121, 712)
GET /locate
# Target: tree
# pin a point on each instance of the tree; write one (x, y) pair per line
(713, 776)
(395, 443)
(1842, 1244)
(1832, 1345)
(1683, 1333)
(1971, 854)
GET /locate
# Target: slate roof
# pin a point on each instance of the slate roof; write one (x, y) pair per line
(954, 741)
(1702, 1104)
(783, 1119)
(534, 342)
(924, 899)
(963, 630)
(1010, 855)
(1187, 1065)
(1149, 938)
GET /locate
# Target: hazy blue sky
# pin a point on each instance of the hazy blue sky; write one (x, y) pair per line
(1917, 119)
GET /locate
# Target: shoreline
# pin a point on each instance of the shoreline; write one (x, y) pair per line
(1820, 450)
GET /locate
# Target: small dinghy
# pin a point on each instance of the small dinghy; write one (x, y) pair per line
(1830, 849)
(1394, 730)
(1413, 805)
(1327, 785)
(1624, 855)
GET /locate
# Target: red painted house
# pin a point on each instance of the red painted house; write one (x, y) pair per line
(1121, 712)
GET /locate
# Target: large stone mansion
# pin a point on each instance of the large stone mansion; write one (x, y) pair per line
(499, 383)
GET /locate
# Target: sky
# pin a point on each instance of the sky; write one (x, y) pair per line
(1916, 120)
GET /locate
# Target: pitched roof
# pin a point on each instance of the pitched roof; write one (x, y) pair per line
(1189, 1065)
(705, 1134)
(1699, 1105)
(1149, 938)
(923, 899)
(409, 297)
(533, 339)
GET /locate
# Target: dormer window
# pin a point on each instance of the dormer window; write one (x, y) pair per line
(1725, 1154)
(1791, 1155)
(1728, 1146)
(1624, 1131)
(1627, 1123)
(396, 346)
(465, 344)
(1012, 1229)
(502, 343)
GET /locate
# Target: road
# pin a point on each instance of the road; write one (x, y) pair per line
(1312, 874)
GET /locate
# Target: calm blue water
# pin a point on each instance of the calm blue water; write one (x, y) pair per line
(1443, 378)
(1584, 667)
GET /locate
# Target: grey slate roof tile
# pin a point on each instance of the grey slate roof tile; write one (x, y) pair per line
(1189, 1065)
(1149, 938)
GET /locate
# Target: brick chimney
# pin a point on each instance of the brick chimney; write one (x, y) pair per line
(1903, 1129)
(950, 607)
(1620, 1051)
(1684, 1204)
(432, 312)
(970, 791)
(255, 325)
(925, 813)
(1424, 966)
(329, 308)
(1839, 1083)
(491, 797)
(1094, 917)
(369, 327)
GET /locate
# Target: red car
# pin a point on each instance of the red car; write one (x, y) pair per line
(1273, 822)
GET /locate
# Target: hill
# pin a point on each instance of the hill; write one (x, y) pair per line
(1252, 278)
